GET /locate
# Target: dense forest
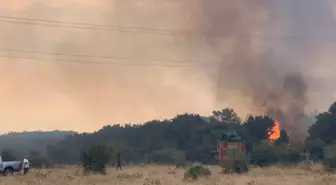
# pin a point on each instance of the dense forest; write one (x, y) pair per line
(24, 142)
(188, 137)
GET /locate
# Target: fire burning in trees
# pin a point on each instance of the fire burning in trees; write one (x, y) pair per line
(275, 132)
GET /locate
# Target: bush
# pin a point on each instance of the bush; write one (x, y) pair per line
(283, 139)
(329, 160)
(235, 164)
(315, 149)
(289, 156)
(95, 159)
(330, 164)
(168, 156)
(264, 155)
(38, 161)
(197, 171)
(7, 154)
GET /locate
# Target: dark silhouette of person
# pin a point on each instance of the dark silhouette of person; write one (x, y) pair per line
(118, 161)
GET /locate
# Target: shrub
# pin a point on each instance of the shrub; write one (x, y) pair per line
(289, 155)
(315, 149)
(283, 139)
(329, 160)
(235, 164)
(264, 155)
(168, 156)
(329, 164)
(197, 171)
(38, 161)
(95, 159)
(7, 154)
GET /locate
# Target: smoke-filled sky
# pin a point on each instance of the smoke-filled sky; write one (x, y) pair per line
(252, 48)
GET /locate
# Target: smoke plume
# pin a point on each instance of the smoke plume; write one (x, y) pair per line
(265, 56)
(245, 36)
(44, 94)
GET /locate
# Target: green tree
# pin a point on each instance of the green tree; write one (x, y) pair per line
(257, 128)
(289, 155)
(192, 134)
(7, 154)
(186, 131)
(37, 160)
(226, 116)
(329, 159)
(324, 127)
(64, 153)
(95, 159)
(315, 147)
(264, 155)
(283, 139)
(168, 156)
(332, 108)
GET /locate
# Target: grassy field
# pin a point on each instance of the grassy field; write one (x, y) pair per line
(161, 175)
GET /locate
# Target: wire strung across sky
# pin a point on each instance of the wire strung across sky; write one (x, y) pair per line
(107, 63)
(78, 25)
(90, 26)
(100, 57)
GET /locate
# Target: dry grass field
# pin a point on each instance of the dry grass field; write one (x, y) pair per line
(162, 175)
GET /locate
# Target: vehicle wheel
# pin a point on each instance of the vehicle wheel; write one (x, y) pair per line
(8, 171)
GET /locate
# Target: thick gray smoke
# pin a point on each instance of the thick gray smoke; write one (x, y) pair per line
(247, 35)
(44, 94)
(266, 62)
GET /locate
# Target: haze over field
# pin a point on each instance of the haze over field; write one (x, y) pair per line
(282, 40)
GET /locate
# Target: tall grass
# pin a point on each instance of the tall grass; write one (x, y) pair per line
(160, 175)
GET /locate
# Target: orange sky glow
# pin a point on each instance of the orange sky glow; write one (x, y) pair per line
(45, 95)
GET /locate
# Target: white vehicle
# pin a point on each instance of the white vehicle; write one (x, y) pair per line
(9, 167)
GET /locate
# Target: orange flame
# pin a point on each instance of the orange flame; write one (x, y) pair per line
(275, 132)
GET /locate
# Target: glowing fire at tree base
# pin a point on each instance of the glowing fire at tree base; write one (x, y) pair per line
(274, 134)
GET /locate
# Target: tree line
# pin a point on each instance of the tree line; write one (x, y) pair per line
(192, 137)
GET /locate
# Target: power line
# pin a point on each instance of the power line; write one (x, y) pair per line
(103, 63)
(44, 22)
(100, 57)
(90, 26)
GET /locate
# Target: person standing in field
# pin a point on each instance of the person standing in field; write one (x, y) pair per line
(25, 165)
(119, 161)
